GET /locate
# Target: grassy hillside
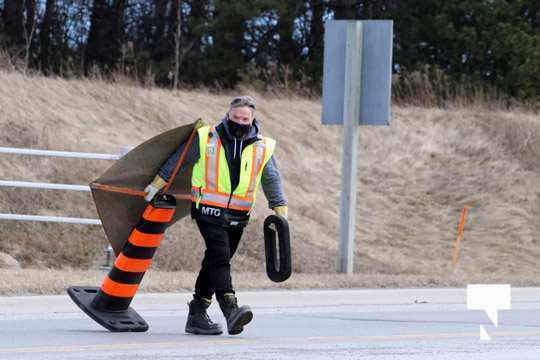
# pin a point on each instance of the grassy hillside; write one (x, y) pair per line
(414, 178)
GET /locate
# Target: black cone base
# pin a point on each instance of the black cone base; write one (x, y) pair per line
(115, 321)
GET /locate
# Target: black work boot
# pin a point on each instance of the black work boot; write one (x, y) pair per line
(236, 316)
(198, 321)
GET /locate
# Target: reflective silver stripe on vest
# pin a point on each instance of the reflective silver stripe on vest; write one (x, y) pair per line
(220, 200)
(212, 154)
(241, 204)
(259, 158)
(194, 194)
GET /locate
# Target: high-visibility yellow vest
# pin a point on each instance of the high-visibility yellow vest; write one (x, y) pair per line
(211, 181)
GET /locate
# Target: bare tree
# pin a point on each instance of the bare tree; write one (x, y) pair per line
(177, 39)
(29, 30)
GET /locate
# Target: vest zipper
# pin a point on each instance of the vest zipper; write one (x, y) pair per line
(229, 202)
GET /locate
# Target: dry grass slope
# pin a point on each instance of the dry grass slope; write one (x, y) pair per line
(414, 178)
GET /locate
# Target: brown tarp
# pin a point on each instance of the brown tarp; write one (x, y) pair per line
(118, 193)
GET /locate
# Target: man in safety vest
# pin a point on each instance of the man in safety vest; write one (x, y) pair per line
(229, 161)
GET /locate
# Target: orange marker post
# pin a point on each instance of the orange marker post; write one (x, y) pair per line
(457, 243)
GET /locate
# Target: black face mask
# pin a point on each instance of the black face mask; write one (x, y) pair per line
(238, 130)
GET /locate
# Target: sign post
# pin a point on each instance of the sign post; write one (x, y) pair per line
(351, 112)
(356, 91)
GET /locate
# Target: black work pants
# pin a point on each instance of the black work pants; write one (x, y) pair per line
(215, 275)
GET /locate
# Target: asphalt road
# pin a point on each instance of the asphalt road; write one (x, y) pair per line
(340, 324)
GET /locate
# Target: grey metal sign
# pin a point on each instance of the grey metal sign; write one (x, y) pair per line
(374, 61)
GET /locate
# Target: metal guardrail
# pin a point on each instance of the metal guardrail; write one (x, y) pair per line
(41, 185)
(65, 154)
(58, 219)
(52, 186)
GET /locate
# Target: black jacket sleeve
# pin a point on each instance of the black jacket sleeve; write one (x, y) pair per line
(192, 156)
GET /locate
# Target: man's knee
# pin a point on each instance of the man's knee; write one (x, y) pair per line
(219, 257)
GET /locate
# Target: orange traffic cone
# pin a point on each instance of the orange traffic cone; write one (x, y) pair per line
(109, 304)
